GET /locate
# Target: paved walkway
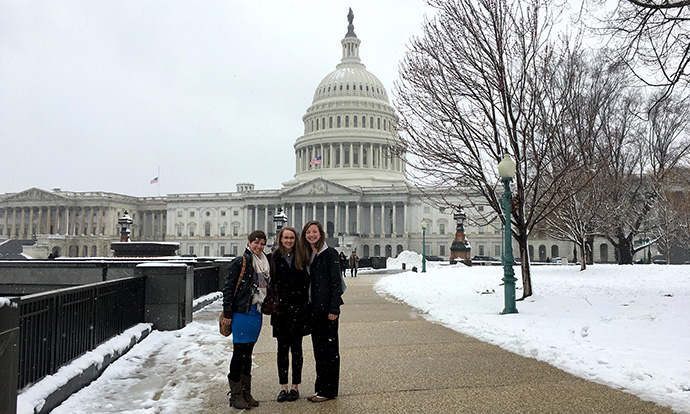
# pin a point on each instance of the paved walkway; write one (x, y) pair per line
(395, 361)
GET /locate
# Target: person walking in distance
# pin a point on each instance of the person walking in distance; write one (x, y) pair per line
(354, 264)
(292, 322)
(245, 289)
(326, 289)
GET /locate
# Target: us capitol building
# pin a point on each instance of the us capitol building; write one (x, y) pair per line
(345, 177)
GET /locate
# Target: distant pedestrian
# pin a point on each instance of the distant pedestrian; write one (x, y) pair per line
(343, 264)
(293, 321)
(245, 289)
(326, 297)
(354, 264)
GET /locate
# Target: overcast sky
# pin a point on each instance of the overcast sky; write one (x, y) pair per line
(97, 95)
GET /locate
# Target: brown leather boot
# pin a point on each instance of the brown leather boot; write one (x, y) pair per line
(247, 391)
(236, 396)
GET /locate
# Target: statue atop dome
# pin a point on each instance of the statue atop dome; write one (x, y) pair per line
(350, 27)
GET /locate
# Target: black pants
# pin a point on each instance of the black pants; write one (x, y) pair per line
(353, 272)
(286, 346)
(326, 355)
(241, 362)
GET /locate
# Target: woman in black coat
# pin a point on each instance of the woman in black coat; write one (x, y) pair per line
(291, 323)
(326, 289)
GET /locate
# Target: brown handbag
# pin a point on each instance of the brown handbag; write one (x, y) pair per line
(224, 327)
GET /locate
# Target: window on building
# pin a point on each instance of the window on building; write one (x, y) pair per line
(427, 209)
(191, 214)
(346, 161)
(235, 230)
(354, 120)
(222, 231)
(338, 121)
(191, 232)
(481, 229)
(481, 250)
(364, 122)
(207, 250)
(234, 250)
(222, 250)
(330, 122)
(235, 212)
(179, 214)
(208, 213)
(207, 229)
(371, 122)
(179, 231)
(222, 213)
(378, 123)
(355, 156)
(480, 208)
(442, 250)
(191, 249)
(347, 121)
(497, 250)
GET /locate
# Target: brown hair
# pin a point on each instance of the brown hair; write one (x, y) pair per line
(257, 235)
(306, 247)
(297, 248)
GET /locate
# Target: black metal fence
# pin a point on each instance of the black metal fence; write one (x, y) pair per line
(58, 326)
(205, 280)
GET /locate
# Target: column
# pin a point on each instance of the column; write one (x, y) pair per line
(31, 222)
(352, 155)
(360, 162)
(22, 230)
(292, 216)
(266, 228)
(91, 214)
(342, 156)
(383, 219)
(347, 217)
(359, 217)
(325, 216)
(49, 222)
(160, 224)
(371, 220)
(313, 211)
(404, 222)
(256, 220)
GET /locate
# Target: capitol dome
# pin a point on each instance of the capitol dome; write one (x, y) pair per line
(349, 127)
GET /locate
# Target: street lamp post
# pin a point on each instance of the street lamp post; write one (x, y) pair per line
(506, 169)
(280, 220)
(423, 246)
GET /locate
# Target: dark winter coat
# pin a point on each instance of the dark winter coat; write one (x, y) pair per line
(326, 284)
(294, 311)
(241, 301)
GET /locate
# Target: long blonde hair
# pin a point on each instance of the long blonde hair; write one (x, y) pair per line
(306, 246)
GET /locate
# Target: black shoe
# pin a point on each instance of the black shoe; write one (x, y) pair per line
(294, 395)
(283, 396)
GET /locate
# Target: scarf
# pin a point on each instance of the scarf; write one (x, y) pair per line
(261, 278)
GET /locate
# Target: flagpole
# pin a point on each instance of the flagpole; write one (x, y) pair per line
(158, 184)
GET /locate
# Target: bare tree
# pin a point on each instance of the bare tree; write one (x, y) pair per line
(596, 86)
(477, 84)
(653, 38)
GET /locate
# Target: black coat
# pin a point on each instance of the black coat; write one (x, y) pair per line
(326, 284)
(294, 311)
(241, 301)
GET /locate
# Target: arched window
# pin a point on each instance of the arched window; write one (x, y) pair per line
(389, 250)
(378, 123)
(371, 122)
(207, 229)
(323, 123)
(85, 251)
(365, 249)
(354, 120)
(347, 121)
(364, 122)
(542, 253)
(377, 250)
(554, 251)
(398, 250)
(330, 122)
(94, 251)
(338, 122)
(531, 252)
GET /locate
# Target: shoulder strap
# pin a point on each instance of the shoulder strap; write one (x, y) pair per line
(244, 267)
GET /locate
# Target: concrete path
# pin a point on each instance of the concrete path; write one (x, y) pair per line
(395, 361)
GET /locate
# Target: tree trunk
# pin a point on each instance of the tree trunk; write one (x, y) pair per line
(524, 265)
(583, 256)
(624, 250)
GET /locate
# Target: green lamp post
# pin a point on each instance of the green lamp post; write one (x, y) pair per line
(506, 169)
(423, 246)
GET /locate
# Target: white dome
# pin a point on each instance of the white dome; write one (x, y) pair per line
(350, 80)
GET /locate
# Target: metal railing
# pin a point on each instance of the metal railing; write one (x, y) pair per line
(58, 326)
(205, 280)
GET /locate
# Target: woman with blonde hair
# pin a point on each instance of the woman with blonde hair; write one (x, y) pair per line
(292, 322)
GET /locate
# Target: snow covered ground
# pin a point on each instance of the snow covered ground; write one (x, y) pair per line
(624, 326)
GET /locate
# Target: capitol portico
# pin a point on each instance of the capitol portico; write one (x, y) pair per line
(345, 176)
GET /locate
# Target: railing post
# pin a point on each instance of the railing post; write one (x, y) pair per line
(9, 354)
(169, 294)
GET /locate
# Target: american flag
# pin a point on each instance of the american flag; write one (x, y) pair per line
(315, 161)
(154, 181)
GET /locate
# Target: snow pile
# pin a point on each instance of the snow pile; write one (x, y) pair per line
(408, 258)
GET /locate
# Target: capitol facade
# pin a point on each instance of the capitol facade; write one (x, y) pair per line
(345, 176)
